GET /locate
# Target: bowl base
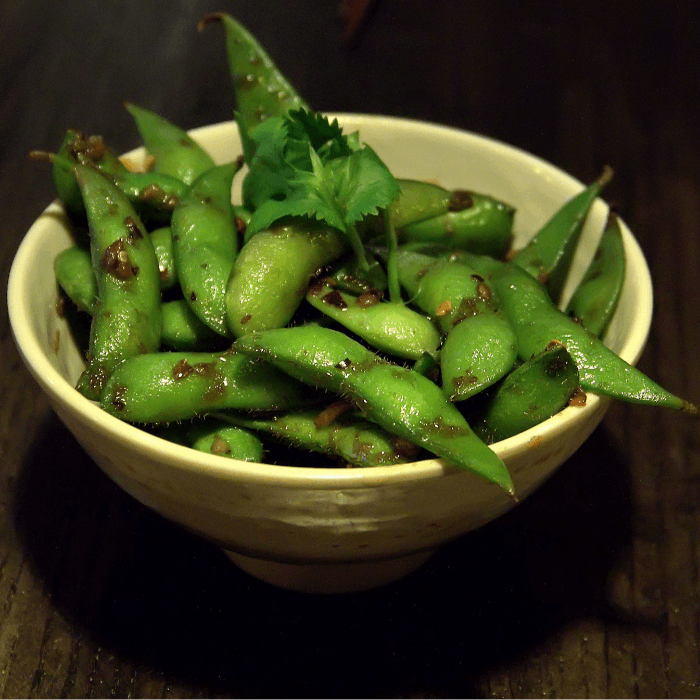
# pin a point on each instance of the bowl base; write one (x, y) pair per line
(348, 577)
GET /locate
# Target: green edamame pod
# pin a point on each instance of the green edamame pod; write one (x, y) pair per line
(387, 326)
(397, 399)
(548, 254)
(261, 91)
(216, 437)
(477, 352)
(537, 322)
(93, 149)
(530, 394)
(127, 318)
(173, 150)
(153, 195)
(169, 386)
(595, 299)
(483, 265)
(418, 201)
(205, 243)
(76, 277)
(272, 272)
(356, 441)
(428, 366)
(476, 222)
(182, 330)
(447, 291)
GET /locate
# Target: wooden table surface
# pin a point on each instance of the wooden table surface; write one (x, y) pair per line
(587, 589)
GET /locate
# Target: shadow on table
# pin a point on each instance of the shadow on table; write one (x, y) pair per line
(151, 593)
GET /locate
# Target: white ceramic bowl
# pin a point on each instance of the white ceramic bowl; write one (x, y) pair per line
(323, 529)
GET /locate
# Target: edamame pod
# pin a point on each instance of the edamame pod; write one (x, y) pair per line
(272, 272)
(477, 223)
(530, 394)
(537, 322)
(418, 201)
(261, 91)
(76, 277)
(169, 386)
(387, 326)
(356, 441)
(447, 291)
(205, 243)
(182, 330)
(173, 150)
(153, 195)
(548, 254)
(127, 318)
(477, 352)
(92, 148)
(397, 399)
(595, 299)
(216, 437)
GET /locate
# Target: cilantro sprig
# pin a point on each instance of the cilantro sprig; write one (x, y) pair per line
(302, 164)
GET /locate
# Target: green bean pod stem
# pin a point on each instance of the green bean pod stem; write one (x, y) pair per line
(272, 272)
(479, 224)
(477, 352)
(385, 325)
(260, 89)
(595, 299)
(397, 399)
(127, 319)
(217, 437)
(349, 437)
(537, 322)
(173, 150)
(205, 244)
(547, 256)
(530, 394)
(171, 386)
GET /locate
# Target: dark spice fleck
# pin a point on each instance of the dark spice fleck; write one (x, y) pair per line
(182, 369)
(460, 200)
(115, 261)
(369, 298)
(335, 298)
(578, 398)
(133, 231)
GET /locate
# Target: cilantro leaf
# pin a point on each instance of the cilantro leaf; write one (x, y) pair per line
(301, 164)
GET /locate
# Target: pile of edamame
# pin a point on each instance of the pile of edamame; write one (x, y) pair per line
(336, 309)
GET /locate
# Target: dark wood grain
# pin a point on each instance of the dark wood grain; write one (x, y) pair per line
(588, 589)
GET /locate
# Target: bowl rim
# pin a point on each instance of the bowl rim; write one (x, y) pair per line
(64, 397)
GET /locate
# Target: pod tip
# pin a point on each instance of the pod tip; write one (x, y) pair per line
(208, 19)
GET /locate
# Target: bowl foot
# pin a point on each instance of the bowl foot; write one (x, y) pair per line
(330, 578)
